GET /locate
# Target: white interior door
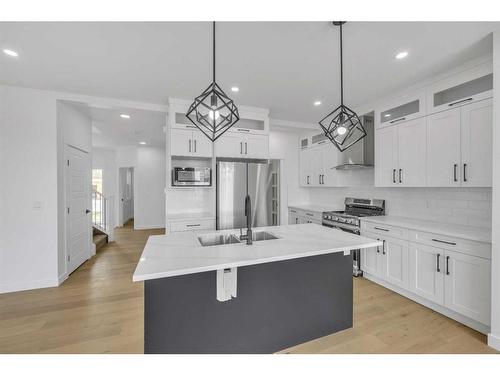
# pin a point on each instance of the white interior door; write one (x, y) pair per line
(78, 198)
(443, 149)
(477, 145)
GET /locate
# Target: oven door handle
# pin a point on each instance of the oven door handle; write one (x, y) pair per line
(342, 228)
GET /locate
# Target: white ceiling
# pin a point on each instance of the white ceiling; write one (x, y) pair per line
(283, 66)
(109, 130)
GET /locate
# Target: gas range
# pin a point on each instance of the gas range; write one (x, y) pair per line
(354, 209)
(348, 221)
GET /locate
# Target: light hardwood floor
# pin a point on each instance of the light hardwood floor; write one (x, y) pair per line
(99, 310)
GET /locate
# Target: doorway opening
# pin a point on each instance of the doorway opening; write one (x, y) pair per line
(126, 194)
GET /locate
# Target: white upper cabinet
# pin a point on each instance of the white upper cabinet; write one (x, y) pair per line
(476, 140)
(251, 125)
(386, 156)
(189, 143)
(317, 162)
(256, 146)
(464, 88)
(412, 151)
(443, 149)
(405, 108)
(234, 145)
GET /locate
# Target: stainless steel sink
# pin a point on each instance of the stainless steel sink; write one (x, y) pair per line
(263, 236)
(217, 239)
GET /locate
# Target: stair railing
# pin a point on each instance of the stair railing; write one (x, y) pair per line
(99, 210)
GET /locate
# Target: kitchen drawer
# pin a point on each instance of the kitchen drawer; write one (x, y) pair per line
(387, 230)
(313, 215)
(475, 248)
(187, 225)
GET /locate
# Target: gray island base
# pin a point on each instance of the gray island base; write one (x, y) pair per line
(278, 305)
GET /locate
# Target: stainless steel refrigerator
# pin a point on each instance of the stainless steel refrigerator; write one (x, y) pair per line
(237, 179)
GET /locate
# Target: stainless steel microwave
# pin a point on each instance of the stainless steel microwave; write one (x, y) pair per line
(191, 176)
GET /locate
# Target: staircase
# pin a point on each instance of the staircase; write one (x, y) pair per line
(100, 238)
(102, 223)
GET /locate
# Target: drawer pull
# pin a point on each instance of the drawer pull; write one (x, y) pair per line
(243, 130)
(383, 247)
(308, 214)
(293, 211)
(193, 225)
(397, 120)
(437, 262)
(383, 229)
(446, 242)
(460, 101)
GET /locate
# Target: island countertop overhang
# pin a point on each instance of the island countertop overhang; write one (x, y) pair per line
(181, 253)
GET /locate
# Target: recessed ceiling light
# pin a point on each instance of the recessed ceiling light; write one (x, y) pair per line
(124, 116)
(401, 55)
(10, 52)
(142, 143)
(235, 89)
(317, 102)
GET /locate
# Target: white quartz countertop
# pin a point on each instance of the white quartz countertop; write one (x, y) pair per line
(181, 253)
(316, 208)
(453, 230)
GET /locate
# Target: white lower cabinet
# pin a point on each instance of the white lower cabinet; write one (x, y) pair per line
(427, 272)
(300, 216)
(468, 285)
(459, 282)
(389, 261)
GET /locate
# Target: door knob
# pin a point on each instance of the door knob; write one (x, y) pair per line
(87, 211)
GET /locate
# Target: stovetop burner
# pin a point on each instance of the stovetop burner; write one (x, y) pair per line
(356, 208)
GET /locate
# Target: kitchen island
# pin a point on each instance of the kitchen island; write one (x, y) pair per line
(208, 293)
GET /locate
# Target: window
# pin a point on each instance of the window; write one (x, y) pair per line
(97, 180)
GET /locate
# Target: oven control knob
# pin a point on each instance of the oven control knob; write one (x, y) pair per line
(342, 220)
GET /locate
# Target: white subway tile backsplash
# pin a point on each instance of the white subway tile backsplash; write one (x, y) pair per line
(467, 206)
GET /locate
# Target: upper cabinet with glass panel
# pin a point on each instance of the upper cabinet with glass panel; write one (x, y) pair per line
(248, 125)
(402, 109)
(472, 85)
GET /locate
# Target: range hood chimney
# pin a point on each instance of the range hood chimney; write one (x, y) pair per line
(361, 154)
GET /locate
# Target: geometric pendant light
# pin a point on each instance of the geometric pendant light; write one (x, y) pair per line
(213, 112)
(342, 126)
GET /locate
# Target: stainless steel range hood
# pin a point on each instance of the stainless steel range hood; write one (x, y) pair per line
(361, 154)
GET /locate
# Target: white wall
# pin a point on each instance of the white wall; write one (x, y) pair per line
(105, 159)
(149, 175)
(494, 336)
(28, 166)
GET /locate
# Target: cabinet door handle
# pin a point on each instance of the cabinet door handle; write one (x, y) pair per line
(397, 120)
(400, 176)
(195, 145)
(322, 179)
(393, 176)
(455, 172)
(243, 130)
(378, 247)
(385, 230)
(192, 225)
(460, 101)
(308, 180)
(447, 265)
(383, 247)
(241, 148)
(465, 175)
(246, 148)
(437, 262)
(191, 126)
(308, 214)
(189, 145)
(446, 242)
(319, 177)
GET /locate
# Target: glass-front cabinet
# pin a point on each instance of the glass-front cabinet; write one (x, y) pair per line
(402, 109)
(460, 89)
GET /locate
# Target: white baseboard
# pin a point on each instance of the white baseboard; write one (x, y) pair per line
(62, 278)
(478, 326)
(27, 285)
(494, 341)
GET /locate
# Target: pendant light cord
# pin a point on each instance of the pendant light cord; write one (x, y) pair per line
(213, 52)
(341, 70)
